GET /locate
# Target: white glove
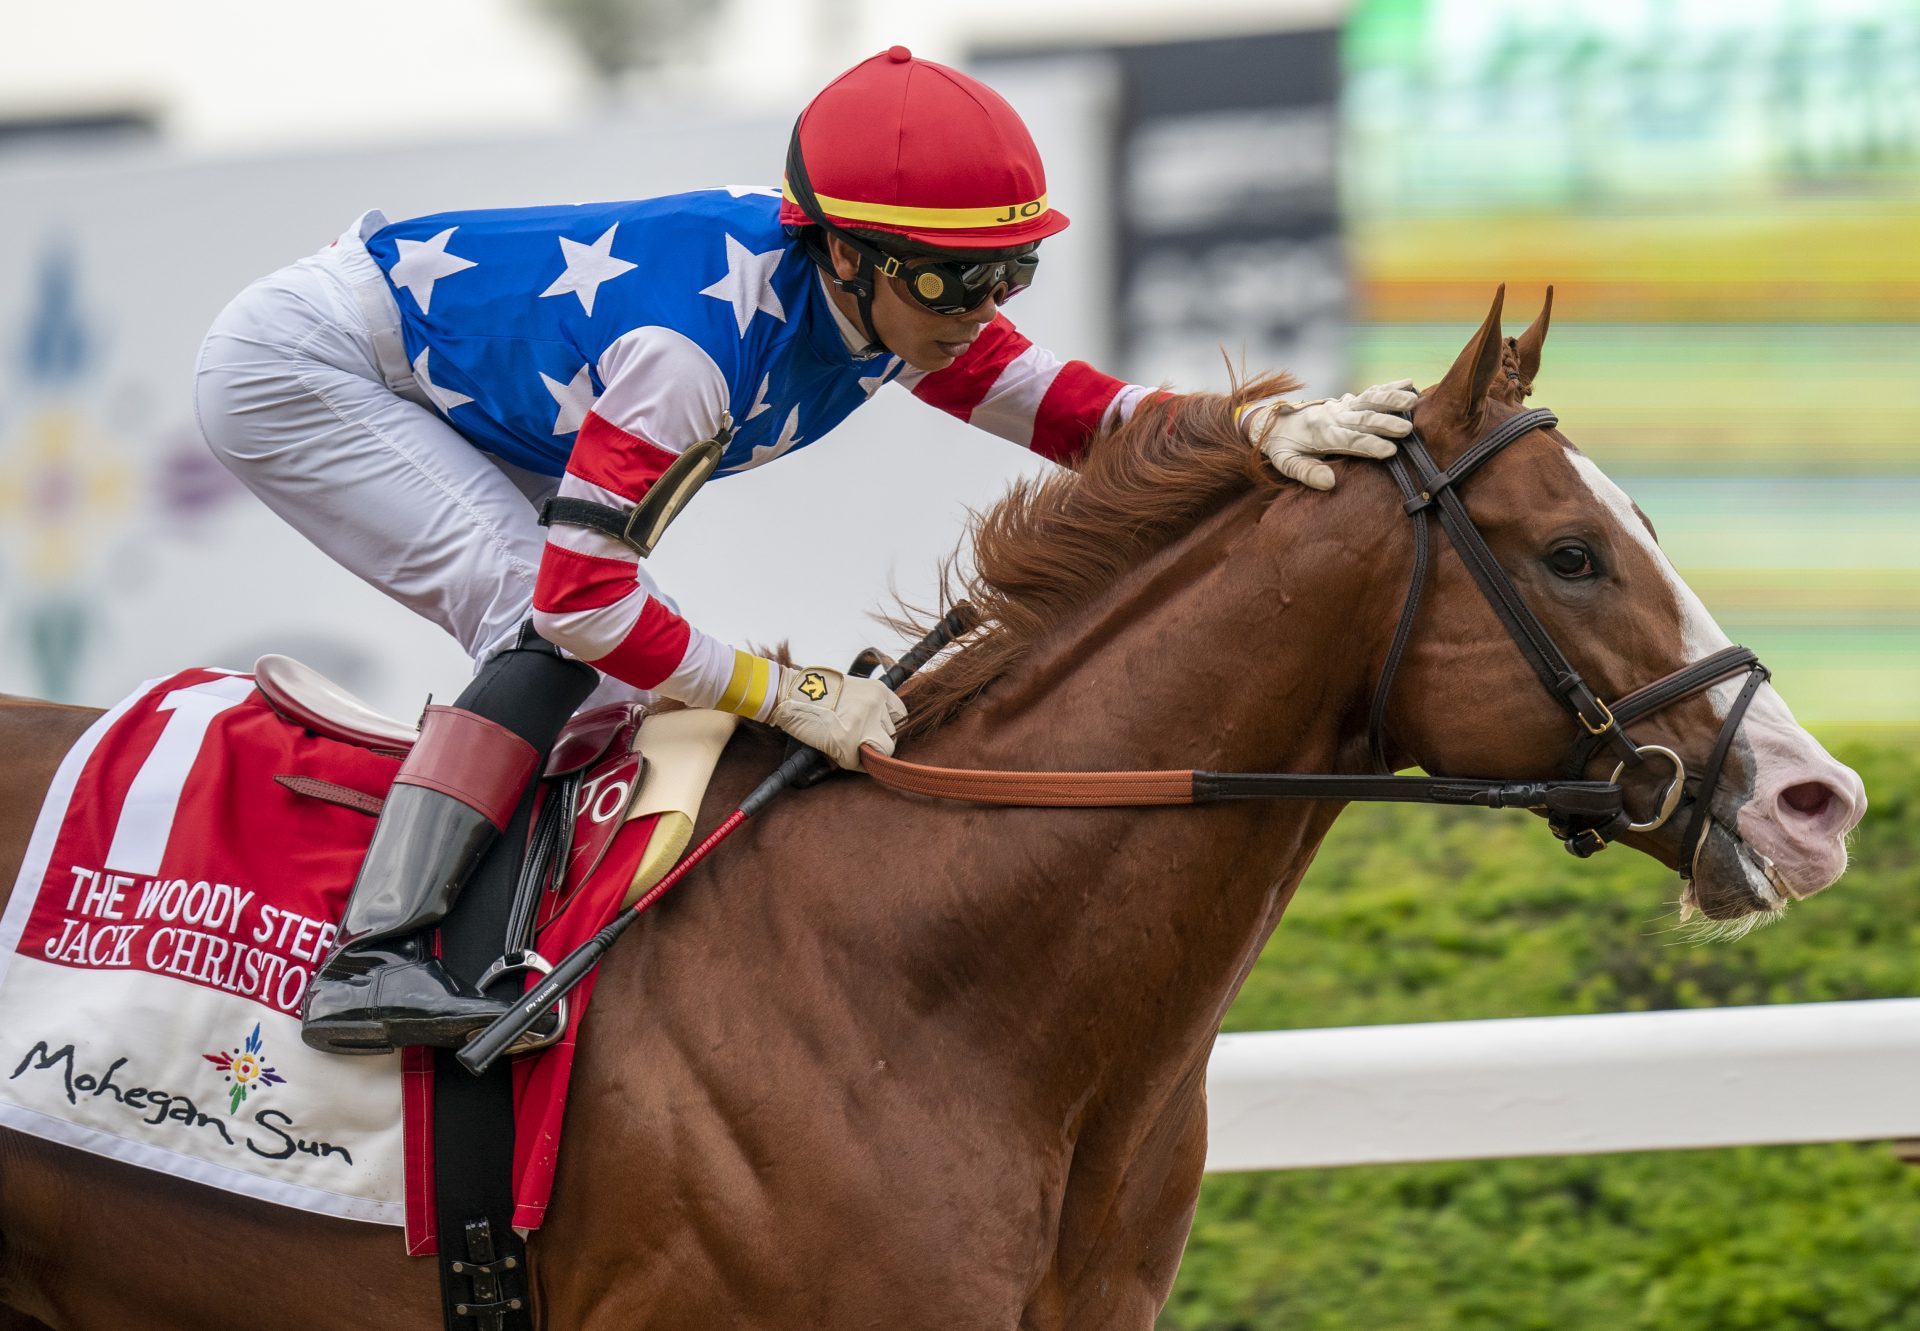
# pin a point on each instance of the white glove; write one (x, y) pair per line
(837, 713)
(1294, 436)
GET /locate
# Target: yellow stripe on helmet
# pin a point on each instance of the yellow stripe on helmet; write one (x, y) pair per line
(939, 219)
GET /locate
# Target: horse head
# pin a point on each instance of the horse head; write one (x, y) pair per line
(1587, 562)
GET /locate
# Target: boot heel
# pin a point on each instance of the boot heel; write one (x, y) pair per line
(440, 1032)
(349, 1037)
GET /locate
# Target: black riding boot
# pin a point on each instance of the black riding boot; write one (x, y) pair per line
(458, 788)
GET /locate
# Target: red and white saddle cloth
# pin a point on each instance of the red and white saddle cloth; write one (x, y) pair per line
(175, 900)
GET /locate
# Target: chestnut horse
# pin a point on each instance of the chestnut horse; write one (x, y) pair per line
(896, 1063)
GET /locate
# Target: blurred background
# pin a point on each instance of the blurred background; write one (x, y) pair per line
(1725, 196)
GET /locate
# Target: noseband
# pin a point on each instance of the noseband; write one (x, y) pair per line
(1584, 815)
(1426, 488)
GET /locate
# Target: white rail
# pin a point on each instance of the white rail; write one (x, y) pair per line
(1463, 1090)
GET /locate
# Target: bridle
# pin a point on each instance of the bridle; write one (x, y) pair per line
(1584, 815)
(1426, 488)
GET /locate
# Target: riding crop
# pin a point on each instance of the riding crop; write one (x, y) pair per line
(799, 767)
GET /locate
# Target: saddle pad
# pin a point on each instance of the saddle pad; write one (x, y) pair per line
(172, 905)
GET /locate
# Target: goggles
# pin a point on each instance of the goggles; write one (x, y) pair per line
(954, 286)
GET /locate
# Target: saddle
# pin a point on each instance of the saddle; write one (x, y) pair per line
(609, 766)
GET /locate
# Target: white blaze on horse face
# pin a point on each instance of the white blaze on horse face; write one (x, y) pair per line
(1803, 803)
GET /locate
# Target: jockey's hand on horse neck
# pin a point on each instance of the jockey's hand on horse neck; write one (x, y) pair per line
(1295, 435)
(837, 713)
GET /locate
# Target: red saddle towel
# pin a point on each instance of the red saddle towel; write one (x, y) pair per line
(173, 903)
(540, 1080)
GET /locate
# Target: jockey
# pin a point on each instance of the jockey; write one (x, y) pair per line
(409, 397)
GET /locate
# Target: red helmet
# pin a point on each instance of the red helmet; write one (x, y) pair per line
(907, 146)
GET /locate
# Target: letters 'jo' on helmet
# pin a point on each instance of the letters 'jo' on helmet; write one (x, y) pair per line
(902, 145)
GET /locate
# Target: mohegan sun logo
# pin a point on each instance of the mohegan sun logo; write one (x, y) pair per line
(247, 1070)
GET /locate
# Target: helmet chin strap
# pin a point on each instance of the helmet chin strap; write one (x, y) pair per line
(866, 278)
(861, 286)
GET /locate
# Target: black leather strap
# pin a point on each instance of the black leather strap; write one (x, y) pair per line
(1664, 692)
(603, 518)
(1409, 611)
(532, 690)
(1579, 802)
(642, 526)
(1549, 663)
(473, 1128)
(1424, 486)
(1710, 777)
(1482, 450)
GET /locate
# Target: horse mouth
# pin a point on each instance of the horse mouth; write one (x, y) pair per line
(1733, 880)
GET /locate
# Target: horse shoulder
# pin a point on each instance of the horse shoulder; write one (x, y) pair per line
(746, 1058)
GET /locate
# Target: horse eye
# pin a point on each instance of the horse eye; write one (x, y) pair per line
(1571, 561)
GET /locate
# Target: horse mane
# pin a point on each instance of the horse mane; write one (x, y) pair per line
(1054, 543)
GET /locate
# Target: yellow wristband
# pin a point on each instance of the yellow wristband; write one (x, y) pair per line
(747, 689)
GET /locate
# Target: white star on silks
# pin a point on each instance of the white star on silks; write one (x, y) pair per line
(789, 436)
(424, 262)
(587, 267)
(741, 191)
(444, 398)
(748, 285)
(575, 398)
(760, 402)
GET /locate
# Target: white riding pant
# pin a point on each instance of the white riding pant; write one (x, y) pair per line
(303, 391)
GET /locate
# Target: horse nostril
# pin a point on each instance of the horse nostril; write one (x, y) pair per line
(1809, 799)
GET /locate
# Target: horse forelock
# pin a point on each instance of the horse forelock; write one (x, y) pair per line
(1510, 385)
(1055, 543)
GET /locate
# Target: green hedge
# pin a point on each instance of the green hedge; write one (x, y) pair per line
(1419, 915)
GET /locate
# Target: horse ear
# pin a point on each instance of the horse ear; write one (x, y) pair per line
(1527, 346)
(1459, 400)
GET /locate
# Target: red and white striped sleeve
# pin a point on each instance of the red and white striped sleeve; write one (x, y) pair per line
(594, 596)
(1026, 394)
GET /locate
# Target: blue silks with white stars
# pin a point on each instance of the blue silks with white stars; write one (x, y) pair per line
(507, 312)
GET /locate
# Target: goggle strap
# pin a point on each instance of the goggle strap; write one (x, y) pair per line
(874, 258)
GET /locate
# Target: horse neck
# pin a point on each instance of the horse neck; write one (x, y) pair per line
(1111, 942)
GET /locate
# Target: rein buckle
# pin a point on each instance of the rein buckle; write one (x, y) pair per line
(1584, 850)
(1605, 725)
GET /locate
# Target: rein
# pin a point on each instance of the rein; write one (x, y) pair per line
(1081, 790)
(1584, 815)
